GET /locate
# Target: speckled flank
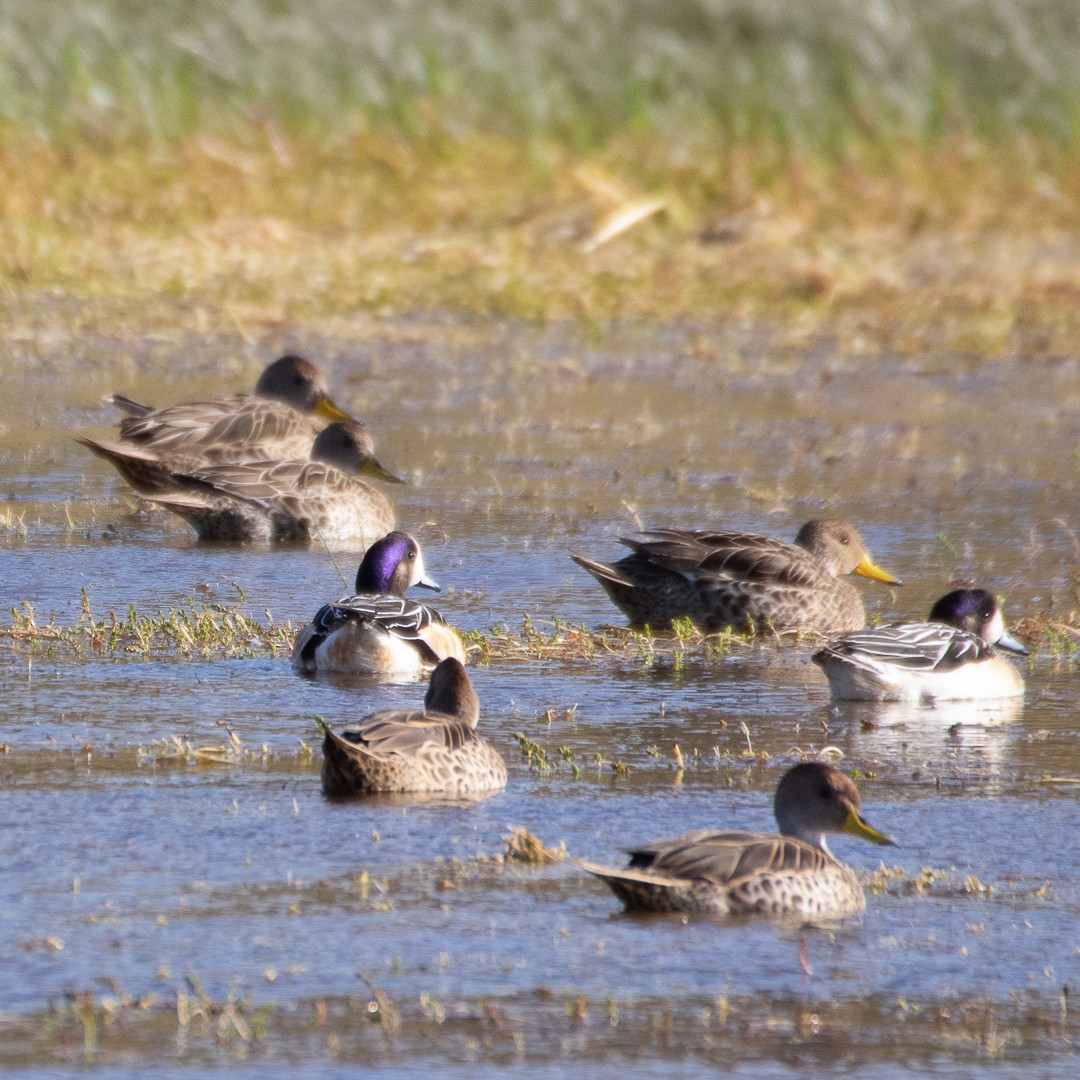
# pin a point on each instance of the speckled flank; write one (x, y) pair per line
(748, 873)
(470, 767)
(835, 892)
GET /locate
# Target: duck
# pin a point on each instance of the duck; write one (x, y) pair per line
(951, 657)
(742, 581)
(266, 501)
(435, 750)
(278, 422)
(791, 874)
(379, 630)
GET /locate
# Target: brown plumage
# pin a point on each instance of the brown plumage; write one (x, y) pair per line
(741, 580)
(267, 501)
(435, 750)
(279, 422)
(751, 873)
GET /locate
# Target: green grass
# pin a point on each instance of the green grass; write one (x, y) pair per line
(195, 630)
(813, 74)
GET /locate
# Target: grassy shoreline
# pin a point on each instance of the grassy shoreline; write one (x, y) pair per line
(899, 178)
(967, 248)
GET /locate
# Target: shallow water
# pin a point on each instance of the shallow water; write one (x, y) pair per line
(131, 867)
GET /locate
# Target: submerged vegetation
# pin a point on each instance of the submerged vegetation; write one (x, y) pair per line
(899, 176)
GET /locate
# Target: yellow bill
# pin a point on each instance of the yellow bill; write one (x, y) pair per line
(327, 410)
(868, 568)
(856, 826)
(374, 468)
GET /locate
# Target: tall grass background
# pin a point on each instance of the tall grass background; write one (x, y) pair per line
(814, 75)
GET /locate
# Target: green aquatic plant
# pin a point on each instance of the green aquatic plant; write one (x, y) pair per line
(570, 642)
(195, 629)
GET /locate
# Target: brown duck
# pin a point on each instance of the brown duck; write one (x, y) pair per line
(266, 501)
(435, 750)
(279, 422)
(792, 873)
(742, 580)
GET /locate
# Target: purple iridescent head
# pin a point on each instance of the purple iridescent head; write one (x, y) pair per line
(977, 612)
(392, 565)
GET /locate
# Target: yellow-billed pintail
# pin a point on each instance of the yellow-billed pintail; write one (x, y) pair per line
(278, 422)
(756, 873)
(742, 580)
(434, 750)
(260, 501)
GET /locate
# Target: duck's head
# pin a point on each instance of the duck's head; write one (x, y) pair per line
(299, 383)
(392, 565)
(839, 548)
(813, 799)
(347, 445)
(977, 612)
(450, 692)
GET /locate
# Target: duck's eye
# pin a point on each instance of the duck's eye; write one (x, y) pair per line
(826, 793)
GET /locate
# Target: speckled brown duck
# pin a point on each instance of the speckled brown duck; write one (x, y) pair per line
(433, 750)
(380, 630)
(788, 875)
(278, 422)
(742, 580)
(261, 501)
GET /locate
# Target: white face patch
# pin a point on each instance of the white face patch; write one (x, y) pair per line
(419, 573)
(993, 630)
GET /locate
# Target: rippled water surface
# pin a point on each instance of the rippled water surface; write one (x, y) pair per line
(172, 909)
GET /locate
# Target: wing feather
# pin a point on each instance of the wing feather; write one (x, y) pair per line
(728, 556)
(922, 647)
(726, 857)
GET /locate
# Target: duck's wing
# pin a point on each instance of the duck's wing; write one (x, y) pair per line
(218, 427)
(274, 484)
(410, 734)
(174, 426)
(727, 857)
(728, 556)
(146, 471)
(402, 618)
(129, 406)
(922, 647)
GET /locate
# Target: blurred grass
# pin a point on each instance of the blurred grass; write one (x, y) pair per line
(813, 74)
(900, 175)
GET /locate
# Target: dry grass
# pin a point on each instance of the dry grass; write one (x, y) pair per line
(113, 1027)
(901, 176)
(963, 247)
